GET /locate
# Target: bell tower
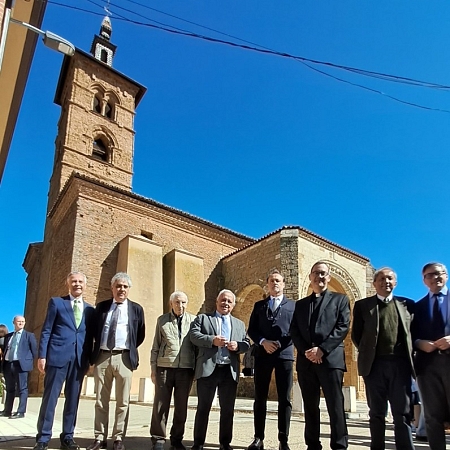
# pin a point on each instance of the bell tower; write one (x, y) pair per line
(95, 129)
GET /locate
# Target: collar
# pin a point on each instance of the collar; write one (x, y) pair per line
(385, 299)
(443, 291)
(276, 299)
(174, 315)
(79, 299)
(117, 303)
(217, 314)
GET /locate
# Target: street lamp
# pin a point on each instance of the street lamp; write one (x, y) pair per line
(50, 39)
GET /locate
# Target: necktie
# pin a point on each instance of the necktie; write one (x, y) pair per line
(13, 347)
(77, 312)
(111, 341)
(226, 334)
(274, 304)
(438, 321)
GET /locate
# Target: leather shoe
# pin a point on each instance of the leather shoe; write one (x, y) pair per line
(69, 444)
(257, 444)
(197, 447)
(5, 414)
(41, 446)
(421, 438)
(118, 445)
(177, 446)
(225, 447)
(283, 446)
(159, 446)
(17, 416)
(97, 445)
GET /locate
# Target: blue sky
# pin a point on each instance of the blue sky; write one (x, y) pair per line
(253, 141)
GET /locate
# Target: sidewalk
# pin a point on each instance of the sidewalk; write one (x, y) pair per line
(19, 434)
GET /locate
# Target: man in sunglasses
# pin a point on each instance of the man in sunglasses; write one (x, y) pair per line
(431, 336)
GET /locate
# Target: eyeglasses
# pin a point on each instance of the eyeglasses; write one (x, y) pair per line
(431, 275)
(320, 273)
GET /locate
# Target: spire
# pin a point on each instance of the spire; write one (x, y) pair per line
(101, 47)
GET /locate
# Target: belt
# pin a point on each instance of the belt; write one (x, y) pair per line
(115, 352)
(444, 352)
(221, 366)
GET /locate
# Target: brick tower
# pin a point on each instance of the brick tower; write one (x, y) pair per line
(95, 130)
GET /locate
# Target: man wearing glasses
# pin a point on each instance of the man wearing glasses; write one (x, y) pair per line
(431, 337)
(269, 329)
(319, 327)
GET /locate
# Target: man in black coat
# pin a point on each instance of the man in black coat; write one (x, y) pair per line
(269, 329)
(319, 326)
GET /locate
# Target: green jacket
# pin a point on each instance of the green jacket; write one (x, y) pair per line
(170, 350)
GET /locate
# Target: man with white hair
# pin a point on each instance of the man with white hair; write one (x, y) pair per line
(120, 329)
(220, 339)
(172, 361)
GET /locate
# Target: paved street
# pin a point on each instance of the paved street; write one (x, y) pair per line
(19, 434)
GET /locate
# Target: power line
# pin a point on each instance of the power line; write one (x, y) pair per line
(305, 61)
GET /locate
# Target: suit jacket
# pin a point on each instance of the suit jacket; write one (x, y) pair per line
(366, 325)
(27, 350)
(61, 340)
(203, 331)
(261, 326)
(422, 328)
(332, 326)
(136, 329)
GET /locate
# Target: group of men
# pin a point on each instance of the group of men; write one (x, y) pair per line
(74, 336)
(387, 331)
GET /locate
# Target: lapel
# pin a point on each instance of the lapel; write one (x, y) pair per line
(69, 309)
(233, 331)
(374, 316)
(131, 329)
(401, 312)
(213, 322)
(324, 303)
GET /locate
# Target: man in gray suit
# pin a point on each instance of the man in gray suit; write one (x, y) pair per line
(381, 332)
(220, 338)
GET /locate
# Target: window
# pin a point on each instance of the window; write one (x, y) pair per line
(104, 55)
(99, 150)
(109, 111)
(97, 104)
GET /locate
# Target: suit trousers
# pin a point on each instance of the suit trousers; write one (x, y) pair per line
(264, 366)
(434, 385)
(168, 381)
(111, 367)
(15, 377)
(221, 380)
(311, 377)
(389, 380)
(72, 375)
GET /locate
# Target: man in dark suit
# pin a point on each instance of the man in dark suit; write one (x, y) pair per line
(269, 329)
(20, 351)
(64, 350)
(120, 329)
(381, 333)
(319, 326)
(220, 338)
(431, 336)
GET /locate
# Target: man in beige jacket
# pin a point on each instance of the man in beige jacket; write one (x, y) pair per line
(172, 362)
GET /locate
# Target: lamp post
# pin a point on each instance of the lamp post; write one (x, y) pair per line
(50, 39)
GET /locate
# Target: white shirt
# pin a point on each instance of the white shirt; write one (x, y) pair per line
(122, 330)
(80, 303)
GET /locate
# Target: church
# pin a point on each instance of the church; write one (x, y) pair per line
(97, 225)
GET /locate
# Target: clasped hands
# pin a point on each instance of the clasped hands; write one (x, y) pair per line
(314, 355)
(430, 346)
(221, 341)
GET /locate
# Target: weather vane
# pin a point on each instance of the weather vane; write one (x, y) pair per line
(106, 8)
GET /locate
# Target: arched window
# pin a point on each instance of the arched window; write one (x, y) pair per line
(104, 55)
(99, 150)
(97, 104)
(109, 111)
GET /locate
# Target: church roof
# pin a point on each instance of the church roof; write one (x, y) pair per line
(149, 201)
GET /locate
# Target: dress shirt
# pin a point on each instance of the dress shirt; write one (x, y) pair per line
(122, 331)
(8, 355)
(80, 303)
(275, 302)
(443, 306)
(221, 358)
